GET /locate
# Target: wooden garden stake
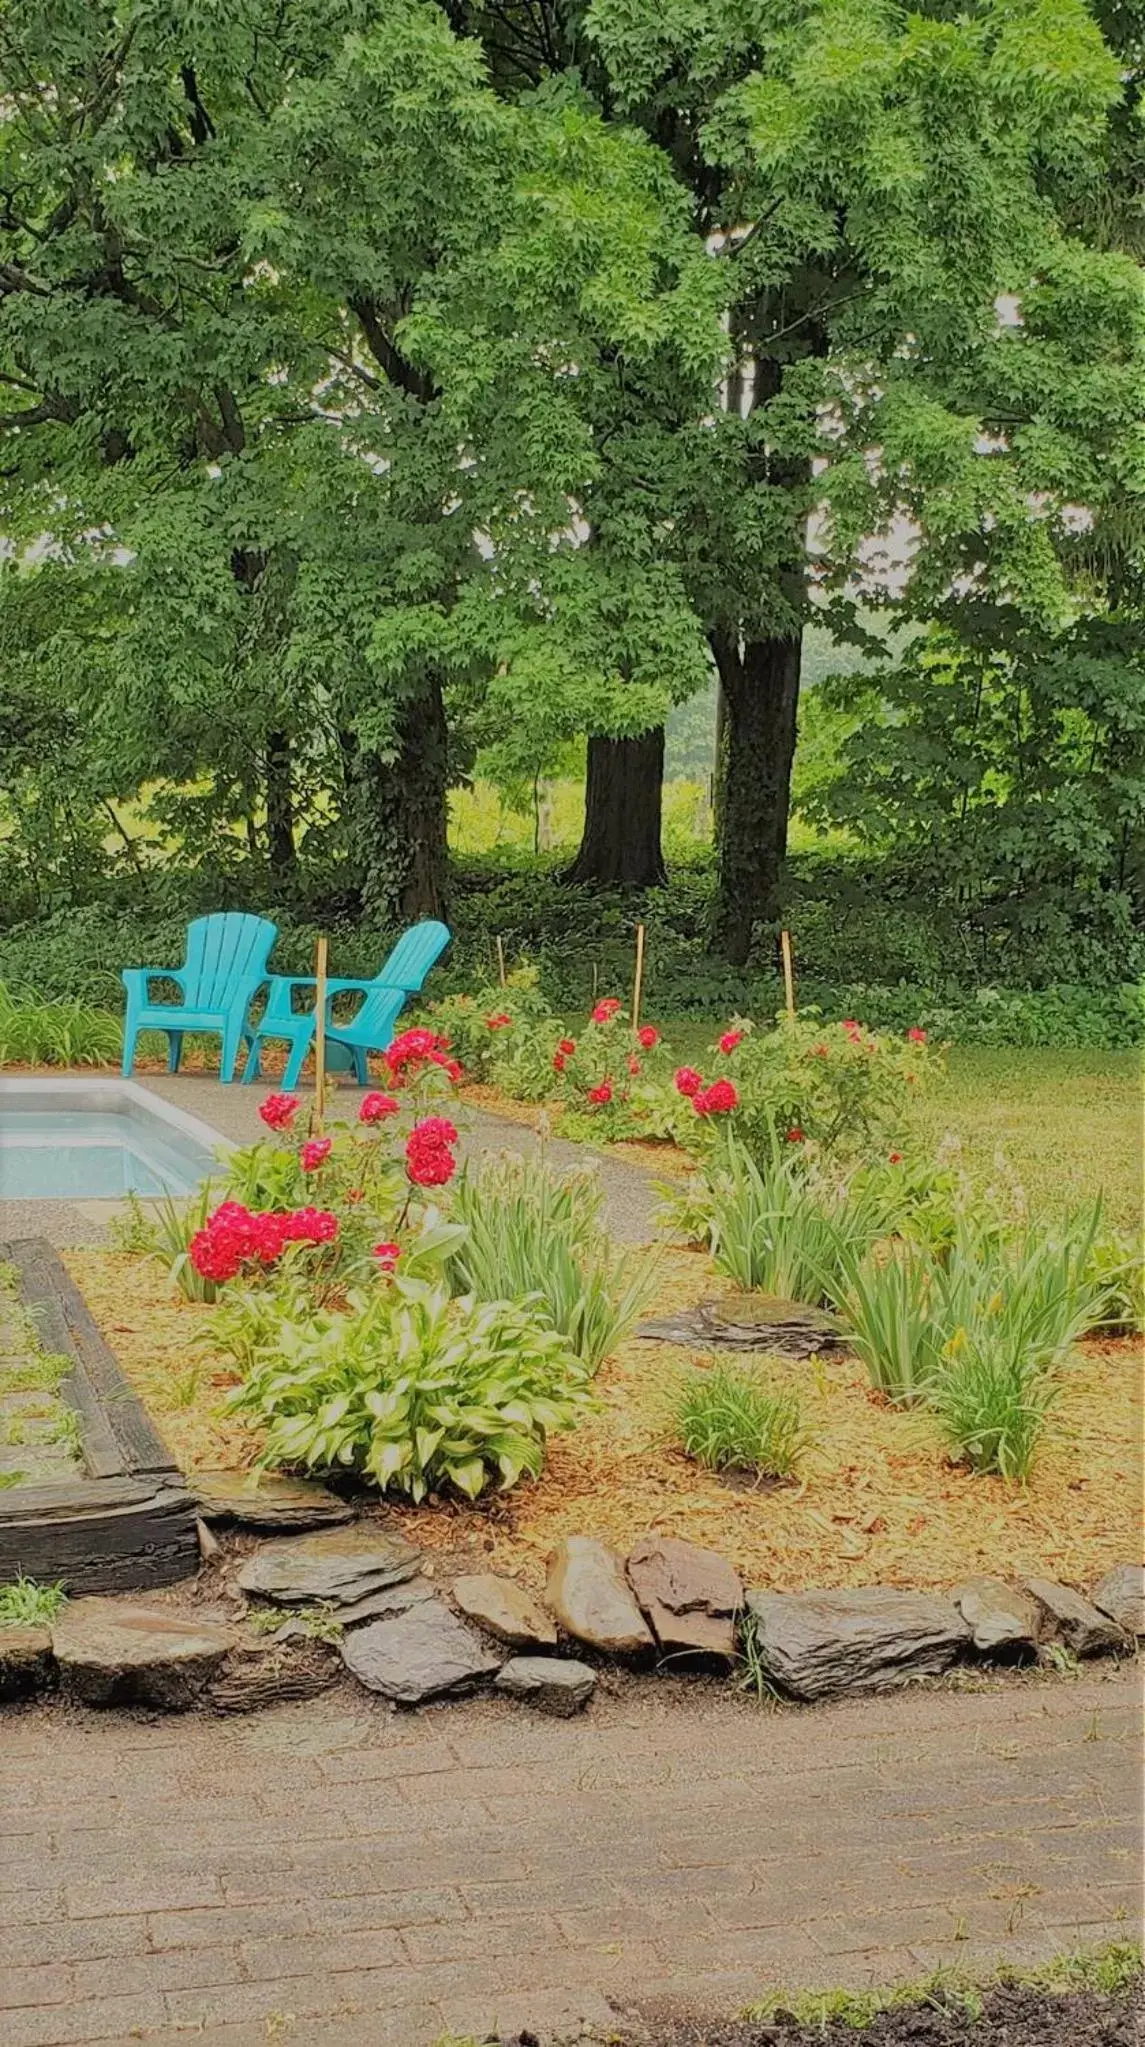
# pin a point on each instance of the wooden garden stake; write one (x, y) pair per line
(501, 959)
(638, 982)
(788, 976)
(320, 1034)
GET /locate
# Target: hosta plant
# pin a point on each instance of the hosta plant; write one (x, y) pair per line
(409, 1388)
(535, 1233)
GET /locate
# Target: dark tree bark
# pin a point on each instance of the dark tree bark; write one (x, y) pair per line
(760, 685)
(400, 816)
(620, 847)
(280, 804)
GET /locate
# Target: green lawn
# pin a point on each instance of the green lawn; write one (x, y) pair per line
(1069, 1124)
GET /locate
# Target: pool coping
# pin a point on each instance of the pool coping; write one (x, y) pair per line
(130, 1522)
(107, 1092)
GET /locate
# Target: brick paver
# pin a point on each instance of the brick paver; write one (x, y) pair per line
(336, 1873)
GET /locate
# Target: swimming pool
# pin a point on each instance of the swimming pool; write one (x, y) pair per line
(98, 1140)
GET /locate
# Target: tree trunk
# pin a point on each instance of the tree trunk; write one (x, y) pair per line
(400, 816)
(620, 846)
(280, 805)
(760, 683)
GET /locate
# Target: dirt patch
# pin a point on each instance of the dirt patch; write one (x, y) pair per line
(1012, 2015)
(877, 1500)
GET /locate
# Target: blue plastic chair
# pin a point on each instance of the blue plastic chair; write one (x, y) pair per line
(370, 1029)
(224, 967)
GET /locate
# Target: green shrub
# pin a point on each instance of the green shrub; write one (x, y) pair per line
(61, 1033)
(725, 1417)
(782, 1229)
(405, 1386)
(536, 1235)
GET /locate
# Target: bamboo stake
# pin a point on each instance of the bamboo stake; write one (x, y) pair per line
(788, 976)
(638, 982)
(320, 1035)
(501, 959)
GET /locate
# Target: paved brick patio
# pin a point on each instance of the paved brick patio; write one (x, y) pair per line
(336, 1873)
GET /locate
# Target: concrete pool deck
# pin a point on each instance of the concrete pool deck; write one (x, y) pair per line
(232, 1111)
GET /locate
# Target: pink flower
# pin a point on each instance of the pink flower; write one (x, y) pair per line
(499, 1022)
(850, 1026)
(688, 1081)
(606, 1010)
(417, 1048)
(915, 1036)
(387, 1255)
(730, 1040)
(795, 1135)
(376, 1107)
(314, 1152)
(601, 1094)
(647, 1036)
(279, 1111)
(718, 1100)
(567, 1046)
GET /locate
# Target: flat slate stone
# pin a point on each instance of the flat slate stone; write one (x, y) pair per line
(26, 1661)
(111, 1653)
(272, 1673)
(690, 1595)
(1002, 1617)
(1072, 1619)
(815, 1644)
(505, 1609)
(1121, 1594)
(339, 1565)
(556, 1684)
(418, 1654)
(749, 1322)
(590, 1596)
(274, 1502)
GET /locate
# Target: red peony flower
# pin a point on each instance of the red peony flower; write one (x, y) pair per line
(376, 1107)
(311, 1226)
(606, 1010)
(850, 1026)
(915, 1036)
(314, 1153)
(387, 1255)
(212, 1258)
(647, 1036)
(558, 1062)
(567, 1046)
(434, 1130)
(730, 1040)
(602, 1094)
(430, 1166)
(355, 1194)
(633, 1064)
(718, 1100)
(279, 1111)
(895, 1158)
(267, 1237)
(688, 1081)
(415, 1048)
(499, 1022)
(795, 1135)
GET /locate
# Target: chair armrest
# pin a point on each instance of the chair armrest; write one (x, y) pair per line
(137, 981)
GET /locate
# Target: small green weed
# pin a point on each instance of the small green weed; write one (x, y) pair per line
(40, 1374)
(727, 1416)
(11, 1478)
(25, 1604)
(753, 1677)
(1109, 1970)
(318, 1623)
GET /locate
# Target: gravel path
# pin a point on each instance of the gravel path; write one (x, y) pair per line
(337, 1875)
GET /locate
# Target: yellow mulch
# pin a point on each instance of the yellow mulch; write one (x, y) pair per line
(878, 1500)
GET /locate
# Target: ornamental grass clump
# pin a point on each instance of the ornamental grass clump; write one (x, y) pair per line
(535, 1234)
(727, 1418)
(782, 1228)
(65, 1033)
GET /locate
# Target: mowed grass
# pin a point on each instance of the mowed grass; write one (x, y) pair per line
(1065, 1125)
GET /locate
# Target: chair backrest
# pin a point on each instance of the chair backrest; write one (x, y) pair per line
(414, 955)
(223, 951)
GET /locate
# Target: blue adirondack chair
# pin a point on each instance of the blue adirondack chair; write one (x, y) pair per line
(224, 967)
(370, 1029)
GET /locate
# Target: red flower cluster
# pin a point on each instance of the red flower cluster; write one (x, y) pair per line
(499, 1022)
(717, 1100)
(314, 1153)
(387, 1255)
(279, 1111)
(915, 1036)
(558, 1062)
(237, 1236)
(417, 1048)
(606, 1010)
(602, 1094)
(376, 1107)
(566, 1047)
(647, 1036)
(688, 1081)
(795, 1135)
(429, 1160)
(730, 1040)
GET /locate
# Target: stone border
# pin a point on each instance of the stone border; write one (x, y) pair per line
(130, 1522)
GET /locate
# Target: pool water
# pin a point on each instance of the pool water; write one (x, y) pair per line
(110, 1144)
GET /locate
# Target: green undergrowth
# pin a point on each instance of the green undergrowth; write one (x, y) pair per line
(1109, 1970)
(25, 1604)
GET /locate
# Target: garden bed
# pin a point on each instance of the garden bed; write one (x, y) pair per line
(1008, 2015)
(878, 1499)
